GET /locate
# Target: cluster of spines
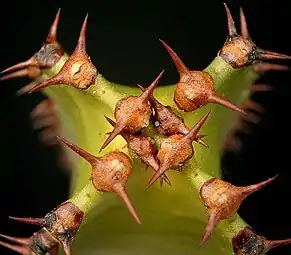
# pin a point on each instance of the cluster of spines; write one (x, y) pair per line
(133, 114)
(49, 54)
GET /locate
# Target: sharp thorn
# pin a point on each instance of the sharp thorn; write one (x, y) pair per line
(149, 90)
(181, 67)
(84, 154)
(121, 192)
(231, 26)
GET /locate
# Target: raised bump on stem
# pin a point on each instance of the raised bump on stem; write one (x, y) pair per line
(196, 88)
(247, 241)
(62, 223)
(241, 51)
(109, 173)
(223, 199)
(144, 148)
(169, 122)
(46, 57)
(132, 113)
(176, 150)
(41, 243)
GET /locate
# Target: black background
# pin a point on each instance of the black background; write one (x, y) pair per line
(122, 40)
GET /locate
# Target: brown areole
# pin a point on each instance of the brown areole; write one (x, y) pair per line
(40, 243)
(62, 223)
(109, 173)
(195, 88)
(167, 122)
(144, 148)
(49, 54)
(223, 199)
(176, 150)
(133, 113)
(241, 51)
(247, 242)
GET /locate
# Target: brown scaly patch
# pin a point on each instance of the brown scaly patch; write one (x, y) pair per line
(240, 50)
(110, 173)
(167, 122)
(247, 242)
(144, 148)
(78, 71)
(195, 88)
(40, 243)
(132, 113)
(176, 150)
(223, 199)
(49, 54)
(62, 223)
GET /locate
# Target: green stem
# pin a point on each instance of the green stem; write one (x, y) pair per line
(175, 211)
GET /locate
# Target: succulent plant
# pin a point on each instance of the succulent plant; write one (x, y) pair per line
(114, 132)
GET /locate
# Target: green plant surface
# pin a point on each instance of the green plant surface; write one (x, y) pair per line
(180, 205)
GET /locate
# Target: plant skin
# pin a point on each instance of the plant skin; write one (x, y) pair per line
(175, 217)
